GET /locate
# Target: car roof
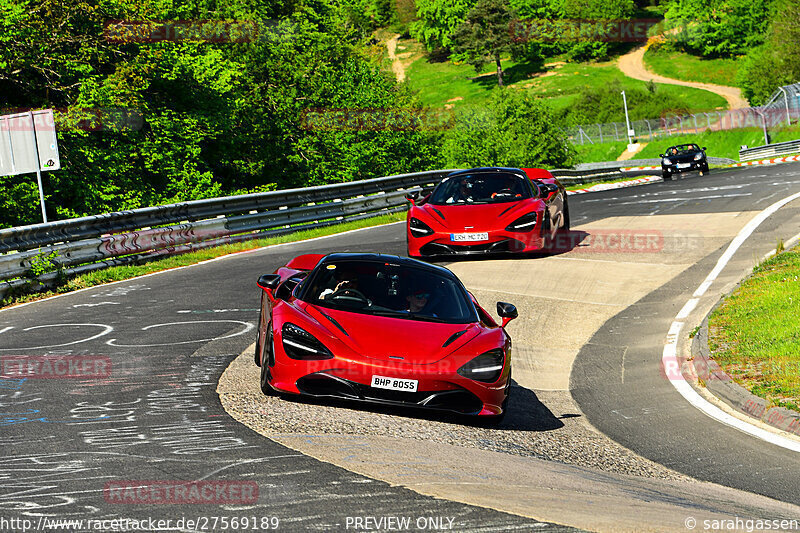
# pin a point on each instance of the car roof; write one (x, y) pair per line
(394, 259)
(488, 170)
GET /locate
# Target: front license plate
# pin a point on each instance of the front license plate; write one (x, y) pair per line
(684, 165)
(469, 237)
(382, 382)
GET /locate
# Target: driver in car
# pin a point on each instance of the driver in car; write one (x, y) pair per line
(344, 279)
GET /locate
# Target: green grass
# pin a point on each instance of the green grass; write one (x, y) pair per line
(594, 153)
(683, 66)
(439, 83)
(562, 90)
(755, 335)
(118, 273)
(719, 143)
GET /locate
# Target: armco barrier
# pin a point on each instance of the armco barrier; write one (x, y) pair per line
(96, 242)
(770, 150)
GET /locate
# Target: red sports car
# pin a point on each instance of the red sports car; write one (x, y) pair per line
(488, 210)
(384, 329)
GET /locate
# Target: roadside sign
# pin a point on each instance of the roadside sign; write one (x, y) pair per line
(18, 154)
(28, 144)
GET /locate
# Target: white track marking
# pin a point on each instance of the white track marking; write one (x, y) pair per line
(6, 329)
(106, 331)
(247, 327)
(669, 358)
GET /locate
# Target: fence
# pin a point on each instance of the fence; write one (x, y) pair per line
(75, 246)
(782, 109)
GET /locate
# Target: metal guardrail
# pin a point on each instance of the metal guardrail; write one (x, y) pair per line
(770, 150)
(96, 242)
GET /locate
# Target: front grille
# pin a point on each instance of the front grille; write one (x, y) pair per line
(325, 385)
(502, 246)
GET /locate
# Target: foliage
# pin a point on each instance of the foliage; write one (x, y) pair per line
(214, 118)
(42, 263)
(718, 28)
(515, 130)
(484, 35)
(437, 20)
(777, 61)
(604, 104)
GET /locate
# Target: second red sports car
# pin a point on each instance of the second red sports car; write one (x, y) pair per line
(488, 210)
(384, 329)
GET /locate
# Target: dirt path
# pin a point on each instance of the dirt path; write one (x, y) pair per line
(397, 66)
(632, 65)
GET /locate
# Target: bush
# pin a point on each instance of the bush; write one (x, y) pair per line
(514, 130)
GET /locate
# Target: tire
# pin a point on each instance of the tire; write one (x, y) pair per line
(665, 176)
(268, 361)
(565, 227)
(258, 355)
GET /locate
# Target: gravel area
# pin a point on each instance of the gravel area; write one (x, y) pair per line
(546, 425)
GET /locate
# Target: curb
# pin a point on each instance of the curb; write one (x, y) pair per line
(634, 169)
(619, 185)
(788, 159)
(721, 385)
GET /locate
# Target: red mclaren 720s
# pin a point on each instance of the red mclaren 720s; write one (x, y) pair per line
(382, 329)
(487, 211)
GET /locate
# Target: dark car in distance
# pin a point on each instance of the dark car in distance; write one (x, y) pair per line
(683, 158)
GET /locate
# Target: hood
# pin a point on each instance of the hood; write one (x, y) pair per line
(380, 338)
(477, 216)
(683, 158)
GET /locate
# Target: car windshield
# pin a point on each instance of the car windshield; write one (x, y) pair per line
(391, 290)
(683, 148)
(481, 188)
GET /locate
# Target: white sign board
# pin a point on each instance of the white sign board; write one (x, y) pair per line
(18, 155)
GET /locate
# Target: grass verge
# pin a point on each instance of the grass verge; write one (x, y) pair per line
(754, 334)
(719, 143)
(119, 273)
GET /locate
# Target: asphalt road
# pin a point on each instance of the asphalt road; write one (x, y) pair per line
(167, 337)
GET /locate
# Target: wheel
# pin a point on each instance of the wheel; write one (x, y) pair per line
(268, 362)
(665, 175)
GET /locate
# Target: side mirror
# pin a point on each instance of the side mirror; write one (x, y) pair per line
(661, 155)
(547, 189)
(507, 312)
(704, 148)
(413, 197)
(269, 281)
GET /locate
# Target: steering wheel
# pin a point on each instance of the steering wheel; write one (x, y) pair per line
(350, 294)
(503, 192)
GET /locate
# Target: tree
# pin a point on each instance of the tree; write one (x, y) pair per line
(514, 130)
(485, 35)
(438, 20)
(777, 61)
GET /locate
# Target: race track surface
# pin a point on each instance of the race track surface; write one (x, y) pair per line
(167, 338)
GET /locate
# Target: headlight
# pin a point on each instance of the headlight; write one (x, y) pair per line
(666, 161)
(419, 228)
(698, 157)
(300, 344)
(523, 223)
(486, 367)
